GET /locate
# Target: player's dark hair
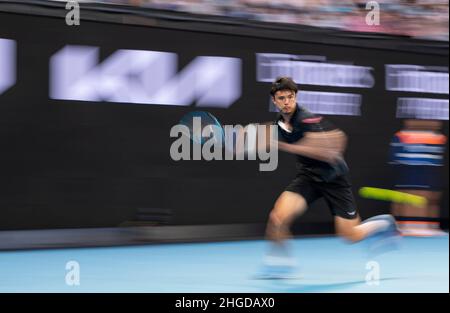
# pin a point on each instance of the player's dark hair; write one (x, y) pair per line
(283, 83)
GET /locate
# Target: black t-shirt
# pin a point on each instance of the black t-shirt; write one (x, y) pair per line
(302, 122)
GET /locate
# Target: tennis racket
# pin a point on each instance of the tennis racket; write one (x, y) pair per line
(202, 127)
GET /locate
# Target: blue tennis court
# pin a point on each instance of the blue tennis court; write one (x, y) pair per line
(326, 264)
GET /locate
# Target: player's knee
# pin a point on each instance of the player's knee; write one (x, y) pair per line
(275, 223)
(277, 219)
(274, 218)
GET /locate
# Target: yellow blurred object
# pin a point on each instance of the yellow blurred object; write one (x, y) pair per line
(392, 196)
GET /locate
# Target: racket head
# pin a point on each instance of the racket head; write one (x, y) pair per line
(198, 122)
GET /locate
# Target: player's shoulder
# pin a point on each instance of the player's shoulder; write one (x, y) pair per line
(312, 122)
(307, 117)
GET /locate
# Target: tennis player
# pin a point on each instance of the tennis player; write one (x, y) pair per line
(321, 172)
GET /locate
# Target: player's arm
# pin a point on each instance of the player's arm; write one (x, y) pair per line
(323, 146)
(258, 134)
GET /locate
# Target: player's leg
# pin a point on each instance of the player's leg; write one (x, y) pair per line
(422, 221)
(339, 196)
(397, 209)
(433, 204)
(434, 212)
(353, 230)
(278, 262)
(411, 210)
(348, 228)
(381, 232)
(288, 206)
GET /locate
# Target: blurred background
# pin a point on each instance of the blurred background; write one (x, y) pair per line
(86, 112)
(426, 19)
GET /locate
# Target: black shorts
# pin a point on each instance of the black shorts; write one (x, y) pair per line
(337, 193)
